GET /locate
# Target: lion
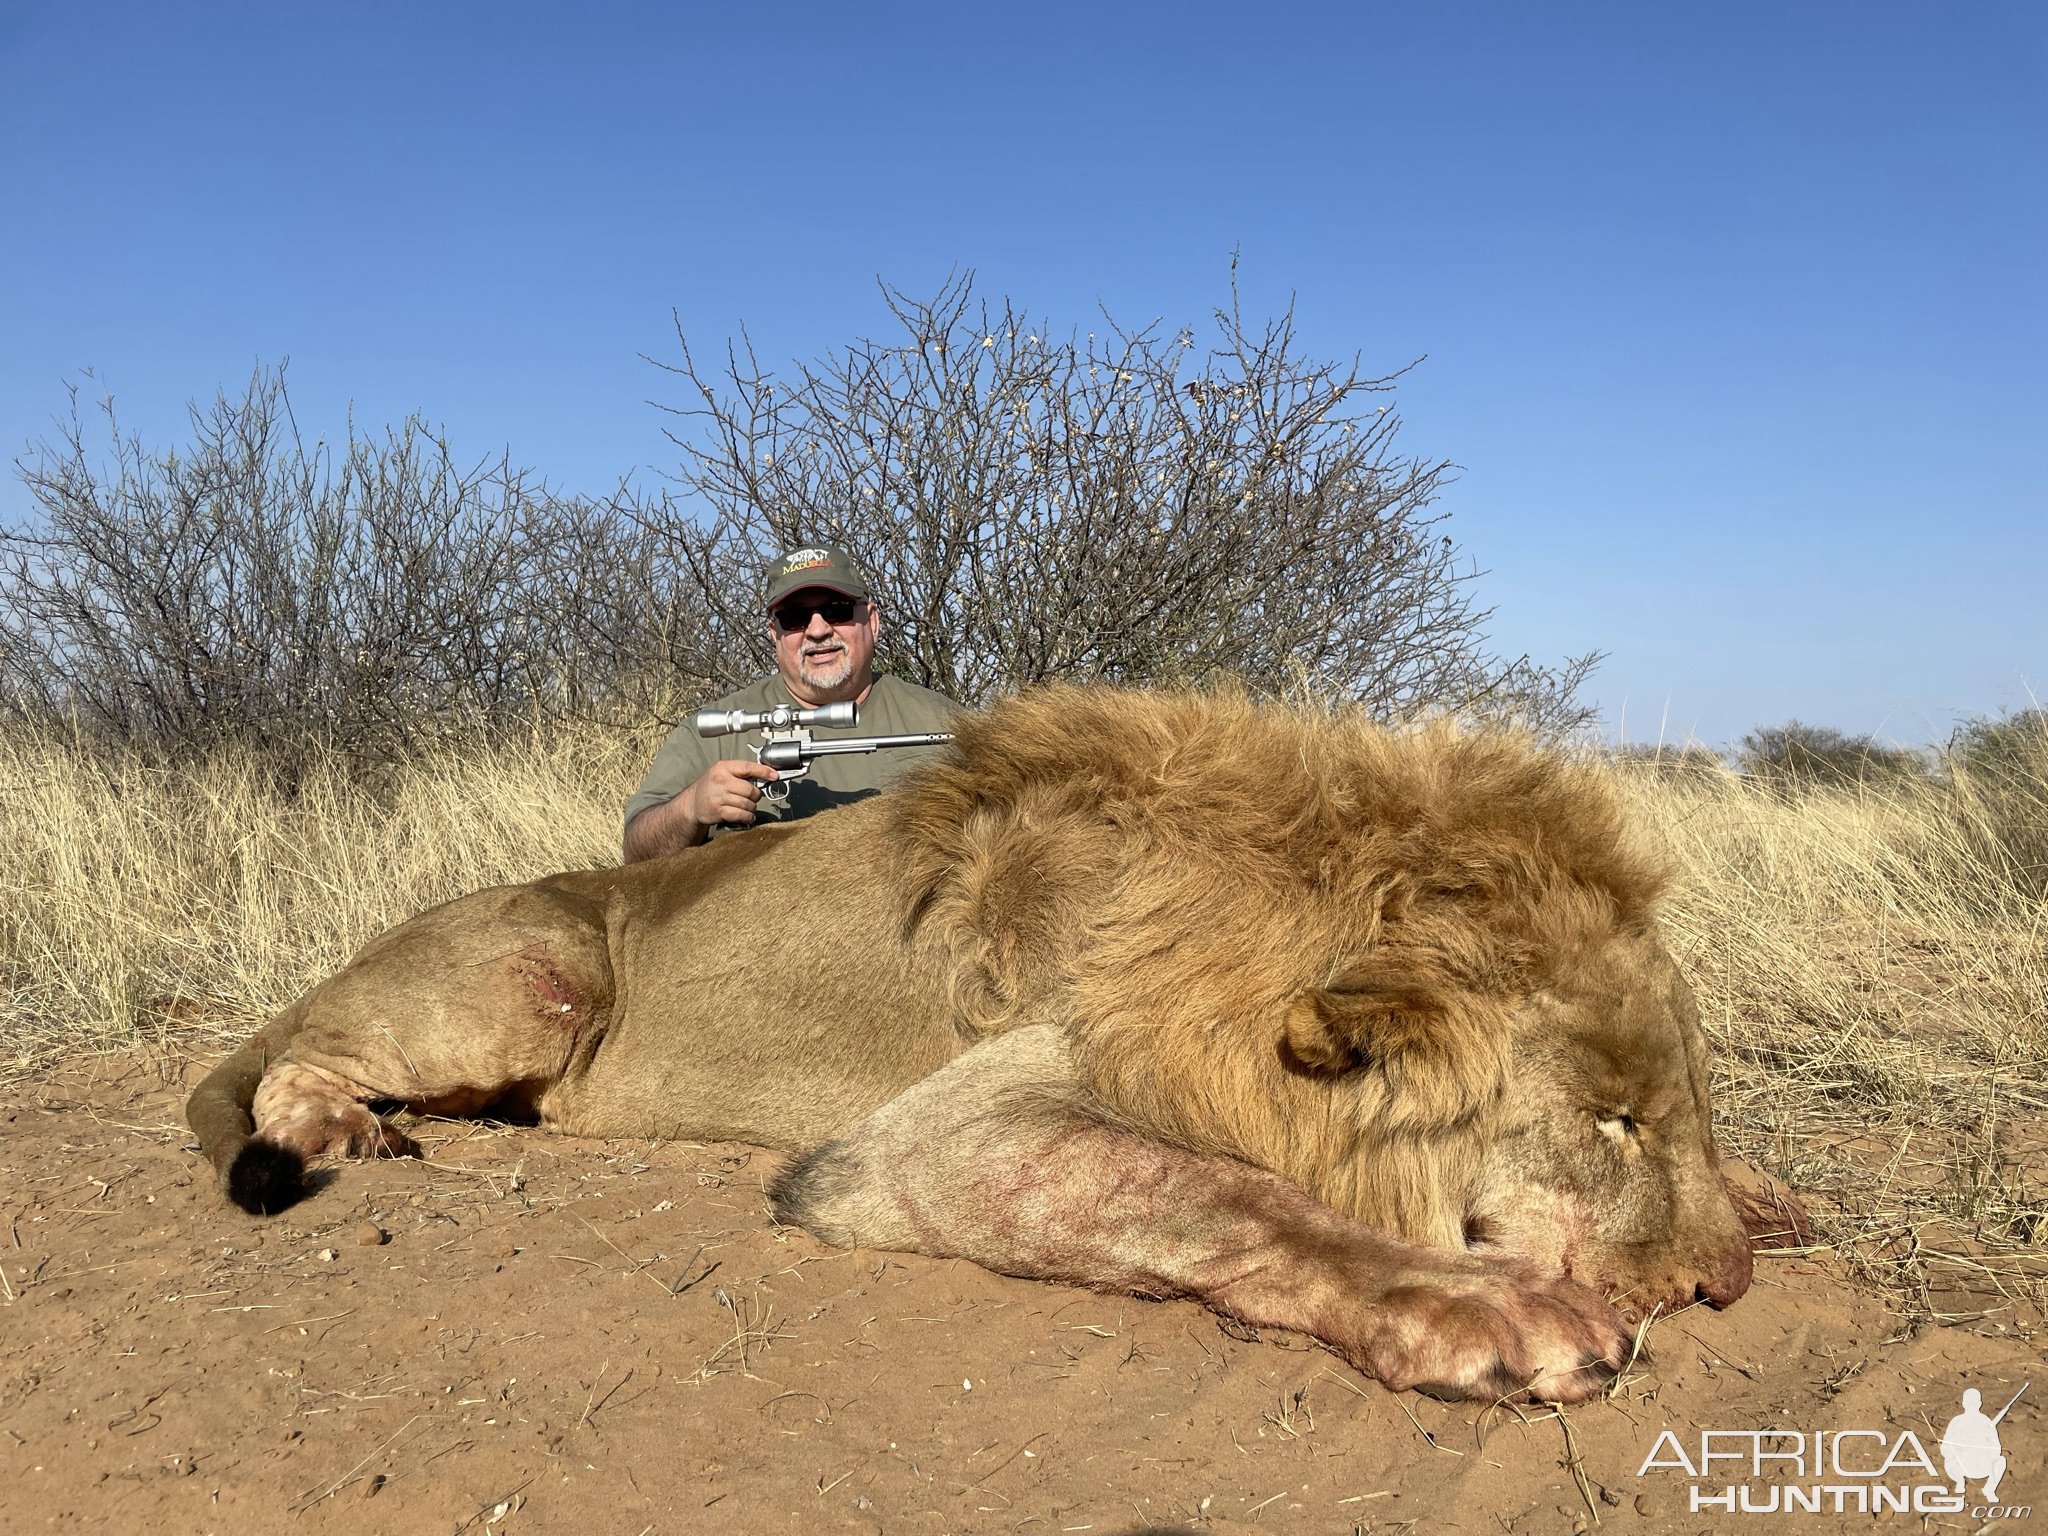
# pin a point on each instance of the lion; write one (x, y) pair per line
(1362, 1033)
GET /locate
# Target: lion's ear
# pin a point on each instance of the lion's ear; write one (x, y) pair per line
(1326, 1030)
(1313, 1034)
(1441, 1049)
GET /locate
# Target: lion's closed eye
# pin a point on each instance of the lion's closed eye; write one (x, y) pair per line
(1618, 1127)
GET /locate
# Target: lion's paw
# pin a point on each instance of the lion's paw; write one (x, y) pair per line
(1496, 1335)
(314, 1113)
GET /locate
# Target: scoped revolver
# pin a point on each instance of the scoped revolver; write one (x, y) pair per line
(787, 745)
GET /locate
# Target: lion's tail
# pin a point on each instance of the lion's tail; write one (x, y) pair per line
(258, 1176)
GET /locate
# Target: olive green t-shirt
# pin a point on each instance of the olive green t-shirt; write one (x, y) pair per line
(892, 707)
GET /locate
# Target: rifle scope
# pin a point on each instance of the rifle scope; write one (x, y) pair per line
(730, 722)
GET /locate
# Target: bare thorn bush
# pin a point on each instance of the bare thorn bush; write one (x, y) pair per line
(307, 602)
(1128, 504)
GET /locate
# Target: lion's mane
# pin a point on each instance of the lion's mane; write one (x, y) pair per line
(1289, 935)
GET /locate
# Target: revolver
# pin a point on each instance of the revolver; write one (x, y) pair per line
(787, 745)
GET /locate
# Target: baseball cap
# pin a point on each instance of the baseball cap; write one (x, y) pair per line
(817, 565)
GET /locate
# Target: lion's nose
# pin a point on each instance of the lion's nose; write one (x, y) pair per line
(1724, 1283)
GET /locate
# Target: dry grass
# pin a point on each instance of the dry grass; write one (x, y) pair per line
(1873, 963)
(139, 901)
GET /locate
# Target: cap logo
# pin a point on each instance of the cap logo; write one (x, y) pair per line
(804, 560)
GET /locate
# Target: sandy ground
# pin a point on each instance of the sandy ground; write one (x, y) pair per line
(534, 1334)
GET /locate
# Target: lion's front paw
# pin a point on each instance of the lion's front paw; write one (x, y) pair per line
(1495, 1335)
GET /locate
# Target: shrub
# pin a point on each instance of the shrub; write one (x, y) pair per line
(373, 600)
(1029, 508)
(1124, 505)
(1998, 777)
(1795, 757)
(2012, 746)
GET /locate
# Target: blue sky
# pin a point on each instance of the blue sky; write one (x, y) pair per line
(1734, 315)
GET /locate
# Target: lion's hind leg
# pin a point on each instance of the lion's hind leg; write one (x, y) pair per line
(997, 1158)
(479, 1005)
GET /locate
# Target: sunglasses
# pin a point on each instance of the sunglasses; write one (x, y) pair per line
(791, 617)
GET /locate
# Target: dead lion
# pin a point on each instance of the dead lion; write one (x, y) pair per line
(1363, 1034)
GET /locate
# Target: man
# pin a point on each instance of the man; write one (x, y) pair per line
(824, 623)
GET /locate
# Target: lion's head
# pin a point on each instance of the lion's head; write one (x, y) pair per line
(1416, 972)
(1600, 1161)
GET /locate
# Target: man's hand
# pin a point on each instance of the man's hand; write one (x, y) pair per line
(727, 791)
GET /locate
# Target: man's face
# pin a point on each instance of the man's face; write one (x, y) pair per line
(824, 658)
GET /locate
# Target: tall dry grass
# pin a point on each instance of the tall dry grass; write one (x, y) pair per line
(140, 900)
(1873, 962)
